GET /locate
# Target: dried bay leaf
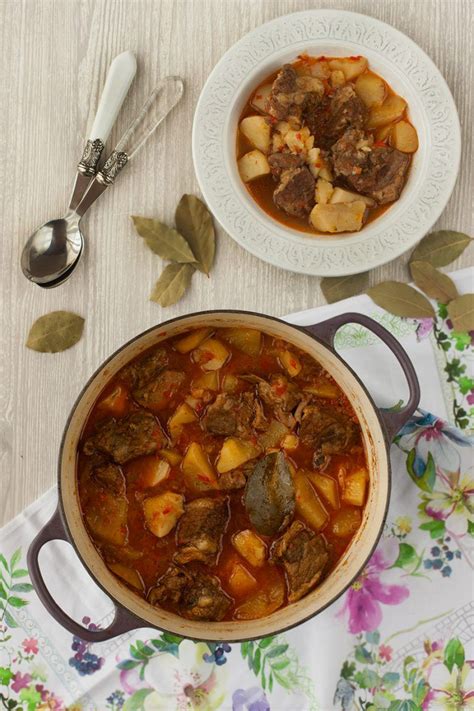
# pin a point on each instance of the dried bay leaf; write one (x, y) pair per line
(461, 312)
(440, 248)
(172, 284)
(55, 332)
(401, 300)
(337, 288)
(163, 240)
(434, 283)
(194, 221)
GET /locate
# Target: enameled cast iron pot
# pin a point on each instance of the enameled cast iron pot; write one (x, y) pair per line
(378, 428)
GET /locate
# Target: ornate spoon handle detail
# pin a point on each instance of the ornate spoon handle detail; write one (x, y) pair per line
(161, 101)
(119, 78)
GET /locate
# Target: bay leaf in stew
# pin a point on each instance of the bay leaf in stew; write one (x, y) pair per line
(269, 496)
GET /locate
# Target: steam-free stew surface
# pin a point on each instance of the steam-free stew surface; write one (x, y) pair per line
(222, 474)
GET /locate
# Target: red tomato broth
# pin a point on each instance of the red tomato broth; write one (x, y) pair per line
(261, 189)
(155, 554)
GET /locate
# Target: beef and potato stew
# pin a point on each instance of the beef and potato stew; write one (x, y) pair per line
(324, 145)
(222, 474)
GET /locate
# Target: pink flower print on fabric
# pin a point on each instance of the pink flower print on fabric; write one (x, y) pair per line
(366, 595)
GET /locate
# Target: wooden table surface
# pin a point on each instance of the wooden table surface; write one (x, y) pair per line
(55, 55)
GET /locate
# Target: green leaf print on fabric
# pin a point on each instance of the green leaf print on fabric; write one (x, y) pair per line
(19, 673)
(454, 655)
(9, 573)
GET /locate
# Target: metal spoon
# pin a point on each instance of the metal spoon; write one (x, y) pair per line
(50, 251)
(156, 108)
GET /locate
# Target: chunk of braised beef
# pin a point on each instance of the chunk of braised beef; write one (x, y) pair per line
(385, 176)
(350, 154)
(111, 477)
(279, 162)
(333, 116)
(235, 479)
(295, 193)
(159, 393)
(327, 431)
(291, 93)
(377, 171)
(281, 396)
(221, 416)
(229, 415)
(146, 368)
(121, 440)
(269, 496)
(191, 593)
(304, 556)
(200, 530)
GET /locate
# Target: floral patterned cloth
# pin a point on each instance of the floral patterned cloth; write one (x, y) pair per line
(401, 637)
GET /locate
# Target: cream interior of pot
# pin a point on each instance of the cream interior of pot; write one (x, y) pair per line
(350, 563)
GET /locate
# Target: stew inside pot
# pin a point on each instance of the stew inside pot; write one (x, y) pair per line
(222, 474)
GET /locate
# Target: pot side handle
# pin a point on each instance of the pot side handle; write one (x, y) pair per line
(123, 621)
(326, 331)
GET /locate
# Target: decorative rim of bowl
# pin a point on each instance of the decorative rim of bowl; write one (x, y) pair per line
(391, 234)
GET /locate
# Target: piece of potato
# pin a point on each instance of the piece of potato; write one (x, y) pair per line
(116, 402)
(290, 441)
(253, 165)
(192, 340)
(346, 522)
(314, 161)
(247, 340)
(130, 575)
(339, 217)
(172, 456)
(198, 472)
(259, 99)
(337, 78)
(250, 547)
(154, 472)
(404, 137)
(347, 196)
(241, 581)
(211, 354)
(162, 512)
(350, 66)
(327, 487)
(371, 89)
(183, 415)
(383, 132)
(208, 381)
(262, 603)
(355, 487)
(323, 387)
(391, 110)
(234, 453)
(320, 69)
(324, 190)
(308, 503)
(230, 383)
(273, 435)
(290, 362)
(257, 131)
(296, 139)
(326, 174)
(278, 144)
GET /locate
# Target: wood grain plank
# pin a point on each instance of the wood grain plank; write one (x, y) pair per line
(54, 61)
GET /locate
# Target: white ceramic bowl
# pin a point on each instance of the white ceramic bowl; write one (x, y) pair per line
(407, 69)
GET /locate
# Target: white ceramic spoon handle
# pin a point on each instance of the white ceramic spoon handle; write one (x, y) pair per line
(120, 76)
